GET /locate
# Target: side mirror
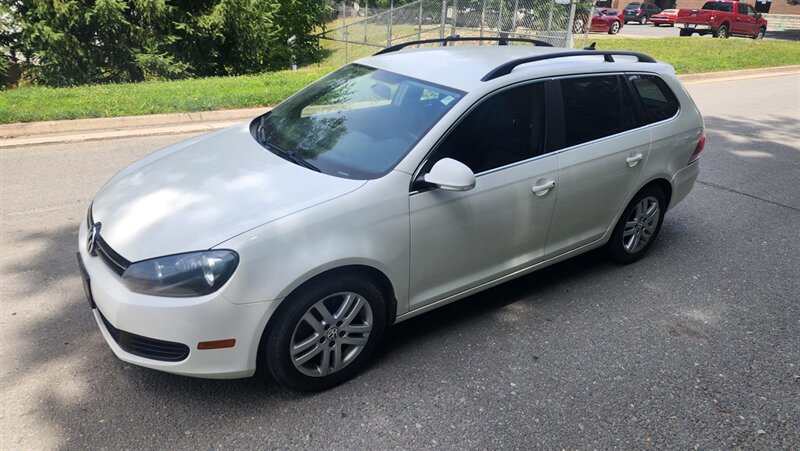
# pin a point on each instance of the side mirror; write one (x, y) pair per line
(758, 15)
(451, 175)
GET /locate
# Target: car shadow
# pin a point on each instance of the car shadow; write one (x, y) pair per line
(95, 400)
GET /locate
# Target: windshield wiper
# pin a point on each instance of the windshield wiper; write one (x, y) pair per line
(293, 157)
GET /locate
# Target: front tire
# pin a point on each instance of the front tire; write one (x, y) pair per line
(614, 28)
(638, 226)
(760, 33)
(685, 32)
(642, 20)
(325, 332)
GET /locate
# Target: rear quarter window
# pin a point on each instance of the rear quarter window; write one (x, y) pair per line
(658, 101)
(719, 6)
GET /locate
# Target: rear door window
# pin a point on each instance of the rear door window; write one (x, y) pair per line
(658, 101)
(595, 107)
(719, 6)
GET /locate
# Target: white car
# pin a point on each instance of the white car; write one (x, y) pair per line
(392, 186)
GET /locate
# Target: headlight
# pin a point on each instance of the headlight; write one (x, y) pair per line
(181, 275)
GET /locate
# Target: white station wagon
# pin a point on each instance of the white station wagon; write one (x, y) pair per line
(392, 186)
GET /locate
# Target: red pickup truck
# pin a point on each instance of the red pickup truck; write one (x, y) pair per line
(722, 18)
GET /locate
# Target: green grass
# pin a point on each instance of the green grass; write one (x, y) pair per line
(131, 99)
(692, 55)
(687, 55)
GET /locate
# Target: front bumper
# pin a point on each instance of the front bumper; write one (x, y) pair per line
(186, 321)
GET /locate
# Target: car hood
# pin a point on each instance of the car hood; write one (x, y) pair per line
(198, 193)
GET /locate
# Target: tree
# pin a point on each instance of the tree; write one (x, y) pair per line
(97, 41)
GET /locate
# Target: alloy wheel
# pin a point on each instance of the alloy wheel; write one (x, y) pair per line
(641, 225)
(331, 334)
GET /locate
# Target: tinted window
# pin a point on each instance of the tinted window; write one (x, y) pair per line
(750, 11)
(633, 6)
(658, 101)
(357, 122)
(742, 8)
(719, 6)
(505, 128)
(595, 107)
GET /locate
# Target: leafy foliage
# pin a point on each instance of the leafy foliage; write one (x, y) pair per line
(72, 42)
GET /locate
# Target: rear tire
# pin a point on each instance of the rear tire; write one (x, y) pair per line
(638, 226)
(614, 28)
(721, 32)
(350, 328)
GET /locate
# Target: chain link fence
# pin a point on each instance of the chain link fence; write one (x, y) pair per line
(351, 35)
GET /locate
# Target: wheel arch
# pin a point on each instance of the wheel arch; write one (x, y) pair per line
(658, 181)
(368, 271)
(663, 184)
(379, 277)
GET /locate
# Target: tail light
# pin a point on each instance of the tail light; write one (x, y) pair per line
(698, 149)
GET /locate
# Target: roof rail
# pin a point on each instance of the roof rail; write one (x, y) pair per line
(444, 41)
(608, 56)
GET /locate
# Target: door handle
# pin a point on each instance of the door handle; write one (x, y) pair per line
(634, 159)
(544, 188)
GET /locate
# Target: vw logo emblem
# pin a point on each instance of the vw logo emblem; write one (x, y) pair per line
(91, 240)
(332, 333)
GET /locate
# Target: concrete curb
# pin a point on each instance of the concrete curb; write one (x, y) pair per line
(713, 77)
(79, 130)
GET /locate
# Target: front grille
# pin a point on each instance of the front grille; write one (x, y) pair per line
(149, 348)
(111, 258)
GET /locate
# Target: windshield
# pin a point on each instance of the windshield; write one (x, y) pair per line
(633, 6)
(358, 122)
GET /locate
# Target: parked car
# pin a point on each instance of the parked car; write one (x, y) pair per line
(666, 17)
(605, 20)
(384, 190)
(640, 12)
(722, 19)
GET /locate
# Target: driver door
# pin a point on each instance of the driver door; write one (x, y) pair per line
(461, 239)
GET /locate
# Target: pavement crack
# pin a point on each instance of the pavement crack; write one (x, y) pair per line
(731, 190)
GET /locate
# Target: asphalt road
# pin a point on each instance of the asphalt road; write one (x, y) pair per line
(697, 345)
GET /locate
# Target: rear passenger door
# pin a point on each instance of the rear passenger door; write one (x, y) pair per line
(602, 153)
